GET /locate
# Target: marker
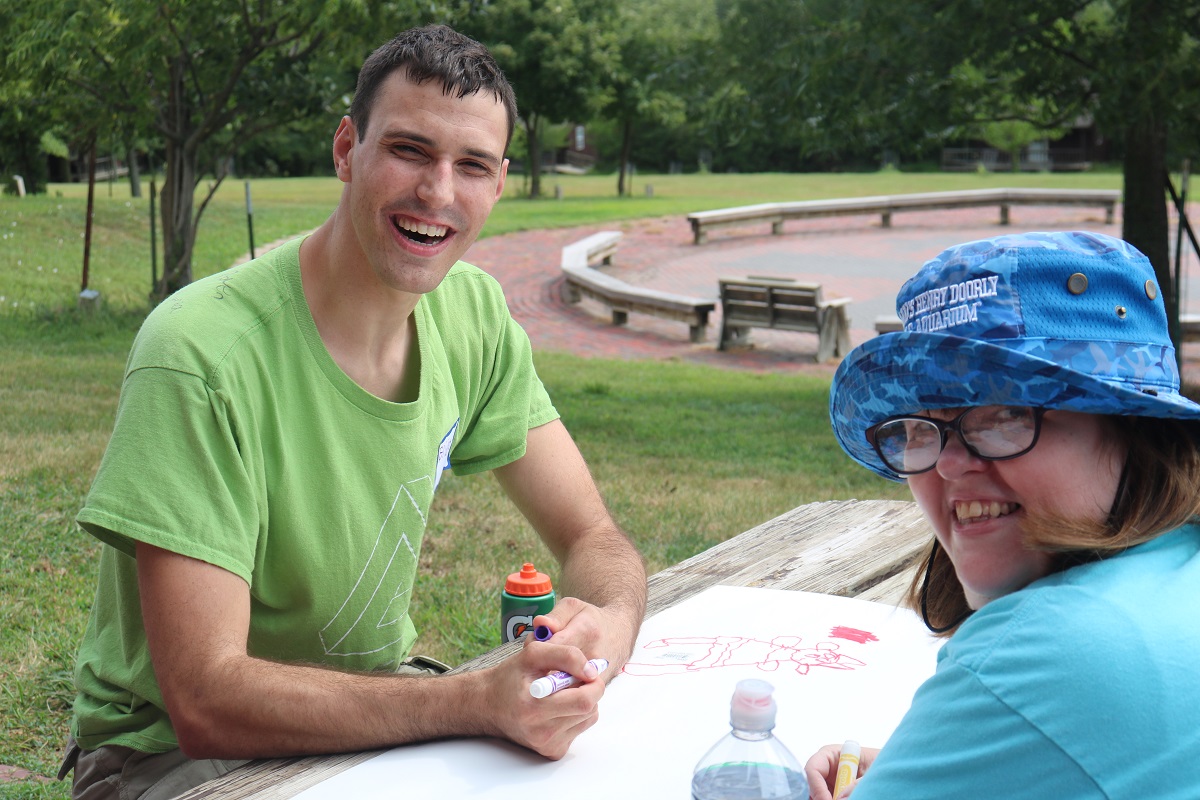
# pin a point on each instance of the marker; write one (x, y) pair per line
(847, 769)
(557, 680)
(542, 633)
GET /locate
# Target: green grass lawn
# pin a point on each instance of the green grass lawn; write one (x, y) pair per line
(686, 456)
(41, 238)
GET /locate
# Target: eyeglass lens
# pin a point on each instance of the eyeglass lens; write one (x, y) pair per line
(910, 445)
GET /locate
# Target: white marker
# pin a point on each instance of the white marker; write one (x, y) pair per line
(544, 687)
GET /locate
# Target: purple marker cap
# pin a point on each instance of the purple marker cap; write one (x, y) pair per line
(542, 633)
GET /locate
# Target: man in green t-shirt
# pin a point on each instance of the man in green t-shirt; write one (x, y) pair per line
(281, 431)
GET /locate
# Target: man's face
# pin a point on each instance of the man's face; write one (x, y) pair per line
(421, 183)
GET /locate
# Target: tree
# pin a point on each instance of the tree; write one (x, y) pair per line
(22, 127)
(815, 80)
(1129, 63)
(658, 62)
(1007, 123)
(559, 55)
(870, 70)
(202, 76)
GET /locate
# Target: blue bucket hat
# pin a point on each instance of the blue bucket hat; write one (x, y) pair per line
(1068, 320)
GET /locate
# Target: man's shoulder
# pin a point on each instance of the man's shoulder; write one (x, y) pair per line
(197, 326)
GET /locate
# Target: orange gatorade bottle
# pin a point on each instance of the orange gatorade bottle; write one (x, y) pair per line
(526, 594)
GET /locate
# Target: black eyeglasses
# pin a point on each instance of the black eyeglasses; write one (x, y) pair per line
(911, 445)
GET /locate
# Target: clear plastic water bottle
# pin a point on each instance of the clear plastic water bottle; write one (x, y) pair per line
(749, 763)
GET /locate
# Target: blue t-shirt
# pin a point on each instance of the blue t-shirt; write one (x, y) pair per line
(1082, 685)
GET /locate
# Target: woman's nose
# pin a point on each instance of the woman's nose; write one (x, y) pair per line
(956, 459)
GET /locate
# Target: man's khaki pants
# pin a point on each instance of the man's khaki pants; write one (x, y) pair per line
(112, 772)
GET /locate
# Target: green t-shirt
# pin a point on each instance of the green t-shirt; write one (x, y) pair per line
(240, 442)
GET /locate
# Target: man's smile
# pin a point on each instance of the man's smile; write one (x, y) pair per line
(420, 232)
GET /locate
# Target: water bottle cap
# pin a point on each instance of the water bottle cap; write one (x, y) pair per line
(528, 582)
(752, 707)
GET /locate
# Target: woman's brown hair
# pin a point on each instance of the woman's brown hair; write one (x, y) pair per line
(1159, 490)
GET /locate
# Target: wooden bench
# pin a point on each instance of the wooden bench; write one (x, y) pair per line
(888, 324)
(1189, 327)
(760, 301)
(885, 206)
(583, 281)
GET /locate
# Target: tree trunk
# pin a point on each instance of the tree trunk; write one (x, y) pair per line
(533, 135)
(178, 192)
(135, 177)
(1145, 224)
(179, 231)
(626, 149)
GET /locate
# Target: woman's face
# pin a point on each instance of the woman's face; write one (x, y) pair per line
(977, 507)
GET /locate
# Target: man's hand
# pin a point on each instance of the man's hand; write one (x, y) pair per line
(550, 724)
(597, 632)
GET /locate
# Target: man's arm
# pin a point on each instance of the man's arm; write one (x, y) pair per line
(225, 703)
(552, 487)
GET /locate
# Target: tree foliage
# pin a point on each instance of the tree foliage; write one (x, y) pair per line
(820, 89)
(658, 65)
(200, 76)
(840, 75)
(743, 85)
(559, 55)
(23, 123)
(1129, 64)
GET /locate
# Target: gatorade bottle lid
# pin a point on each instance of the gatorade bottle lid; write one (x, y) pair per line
(528, 582)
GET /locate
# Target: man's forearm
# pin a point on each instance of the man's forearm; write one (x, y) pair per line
(251, 708)
(607, 571)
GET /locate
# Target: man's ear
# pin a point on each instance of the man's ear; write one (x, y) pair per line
(500, 183)
(343, 148)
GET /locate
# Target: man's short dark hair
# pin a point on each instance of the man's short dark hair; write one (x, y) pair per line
(434, 52)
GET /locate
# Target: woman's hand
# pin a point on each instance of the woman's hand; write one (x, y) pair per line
(821, 770)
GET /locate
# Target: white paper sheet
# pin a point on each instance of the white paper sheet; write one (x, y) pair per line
(842, 669)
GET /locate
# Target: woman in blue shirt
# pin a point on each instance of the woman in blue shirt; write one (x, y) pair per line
(1032, 403)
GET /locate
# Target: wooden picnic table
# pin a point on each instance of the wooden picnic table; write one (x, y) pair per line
(853, 548)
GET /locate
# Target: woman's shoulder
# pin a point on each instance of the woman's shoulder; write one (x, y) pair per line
(1099, 659)
(1099, 621)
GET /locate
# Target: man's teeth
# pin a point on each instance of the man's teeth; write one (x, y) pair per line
(424, 229)
(976, 509)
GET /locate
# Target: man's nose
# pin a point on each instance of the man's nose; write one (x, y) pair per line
(436, 189)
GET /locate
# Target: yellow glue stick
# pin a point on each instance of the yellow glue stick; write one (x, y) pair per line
(847, 767)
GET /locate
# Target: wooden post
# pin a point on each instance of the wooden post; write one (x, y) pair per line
(91, 205)
(153, 237)
(250, 218)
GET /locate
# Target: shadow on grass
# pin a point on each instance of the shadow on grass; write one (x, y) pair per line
(71, 330)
